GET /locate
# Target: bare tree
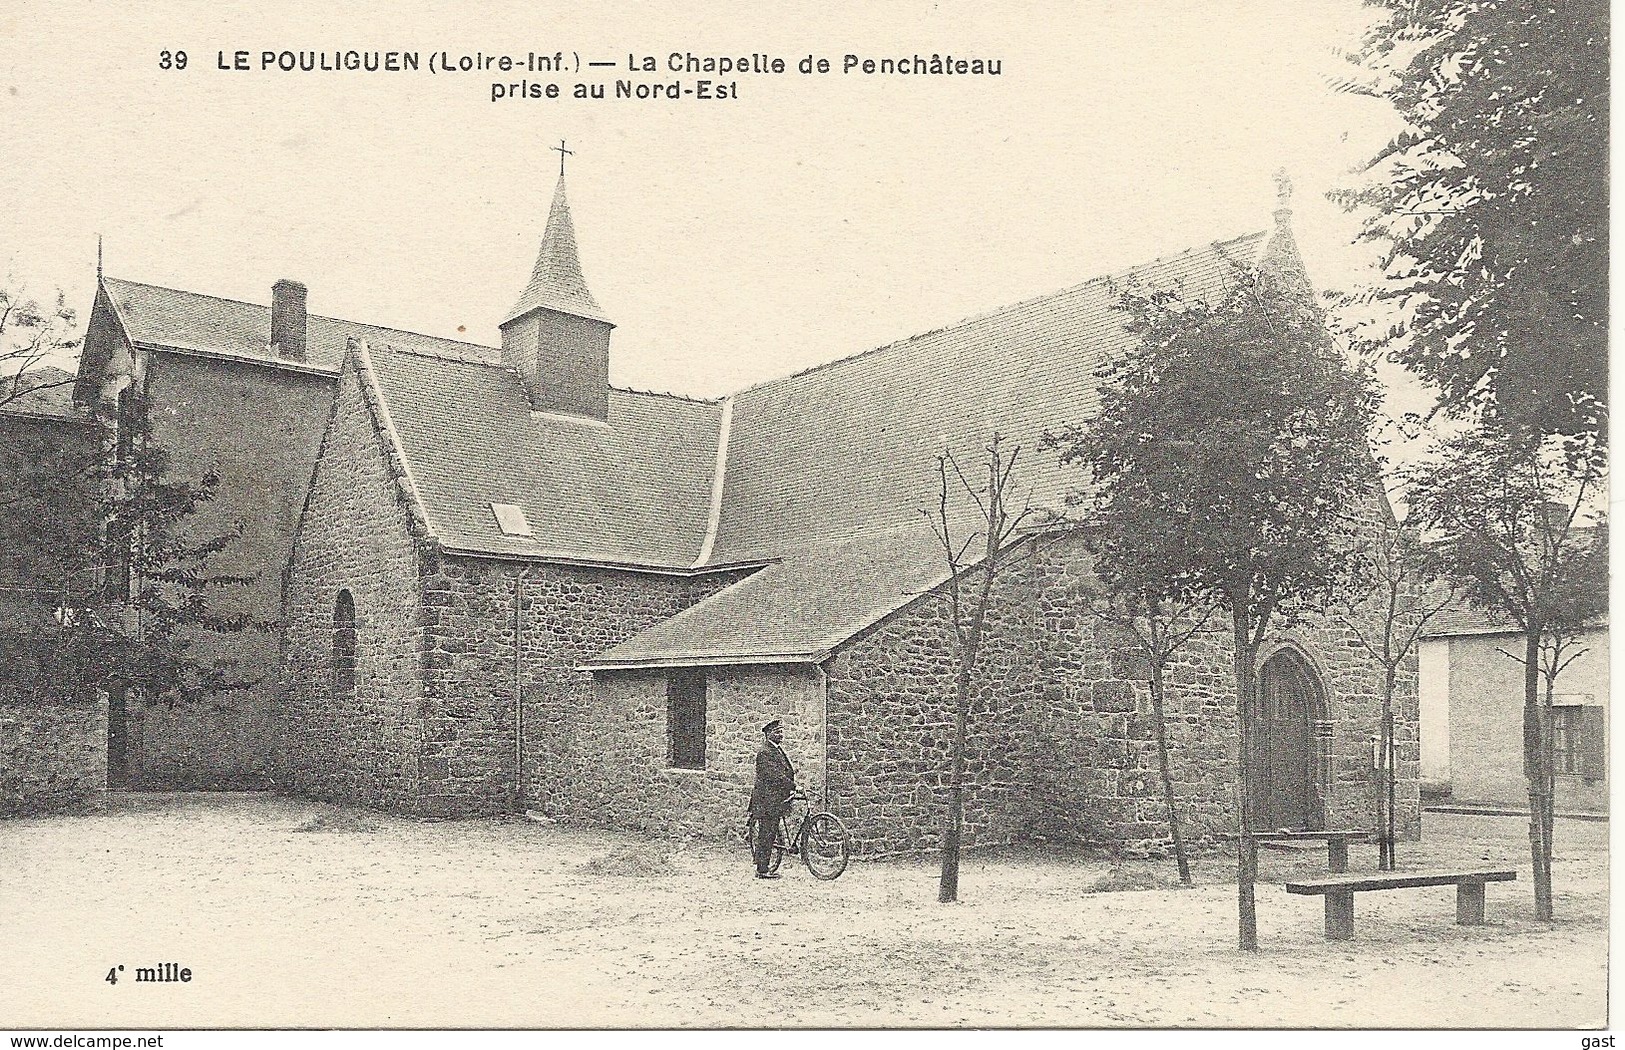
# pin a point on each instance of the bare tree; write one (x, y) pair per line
(974, 564)
(1387, 616)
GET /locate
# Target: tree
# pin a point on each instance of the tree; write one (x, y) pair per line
(101, 536)
(1510, 508)
(30, 337)
(1386, 609)
(1161, 625)
(1491, 204)
(1235, 437)
(974, 564)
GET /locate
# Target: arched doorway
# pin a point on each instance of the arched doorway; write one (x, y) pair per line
(1291, 701)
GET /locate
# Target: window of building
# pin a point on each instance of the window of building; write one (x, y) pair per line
(1579, 744)
(685, 719)
(343, 645)
(510, 519)
(1566, 739)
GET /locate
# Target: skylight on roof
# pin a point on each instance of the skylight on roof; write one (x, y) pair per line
(510, 519)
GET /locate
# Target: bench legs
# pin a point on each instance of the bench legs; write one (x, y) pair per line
(1340, 915)
(1469, 904)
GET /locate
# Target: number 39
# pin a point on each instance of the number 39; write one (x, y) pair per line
(172, 60)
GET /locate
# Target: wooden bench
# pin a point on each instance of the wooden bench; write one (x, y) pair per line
(1339, 891)
(1337, 842)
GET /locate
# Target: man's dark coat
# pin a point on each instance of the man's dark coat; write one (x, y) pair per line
(775, 781)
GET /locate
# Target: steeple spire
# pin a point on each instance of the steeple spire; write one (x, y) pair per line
(556, 337)
(1280, 252)
(556, 283)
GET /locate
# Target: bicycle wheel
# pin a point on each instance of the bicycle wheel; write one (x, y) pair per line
(825, 845)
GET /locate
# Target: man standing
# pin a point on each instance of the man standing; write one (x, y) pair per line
(775, 783)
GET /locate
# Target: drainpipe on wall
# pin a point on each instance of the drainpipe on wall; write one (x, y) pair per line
(518, 692)
(823, 697)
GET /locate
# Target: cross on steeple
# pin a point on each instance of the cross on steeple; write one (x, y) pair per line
(562, 152)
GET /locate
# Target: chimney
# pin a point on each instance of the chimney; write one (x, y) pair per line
(288, 320)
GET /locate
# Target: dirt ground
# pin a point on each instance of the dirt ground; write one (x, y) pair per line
(295, 914)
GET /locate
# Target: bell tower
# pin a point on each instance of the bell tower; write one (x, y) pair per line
(556, 336)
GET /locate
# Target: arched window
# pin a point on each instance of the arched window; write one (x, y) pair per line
(343, 645)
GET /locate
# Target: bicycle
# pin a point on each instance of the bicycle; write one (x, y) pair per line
(821, 839)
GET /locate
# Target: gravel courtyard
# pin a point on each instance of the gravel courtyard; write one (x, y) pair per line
(295, 914)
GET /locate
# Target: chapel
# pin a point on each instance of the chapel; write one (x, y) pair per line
(500, 583)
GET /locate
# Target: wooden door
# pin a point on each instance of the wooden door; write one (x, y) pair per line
(1289, 696)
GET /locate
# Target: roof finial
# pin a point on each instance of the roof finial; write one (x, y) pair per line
(562, 152)
(1283, 188)
(98, 258)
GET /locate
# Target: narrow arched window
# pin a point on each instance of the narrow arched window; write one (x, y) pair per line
(343, 645)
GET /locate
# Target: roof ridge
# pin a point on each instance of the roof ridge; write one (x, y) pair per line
(442, 355)
(670, 394)
(318, 317)
(1008, 307)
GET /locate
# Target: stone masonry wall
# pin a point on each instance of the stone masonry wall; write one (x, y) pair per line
(53, 757)
(258, 429)
(570, 614)
(356, 745)
(891, 724)
(1098, 703)
(1062, 740)
(1095, 774)
(627, 781)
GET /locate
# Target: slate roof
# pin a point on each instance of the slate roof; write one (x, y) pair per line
(167, 318)
(1461, 618)
(45, 393)
(797, 609)
(828, 471)
(853, 444)
(635, 491)
(557, 283)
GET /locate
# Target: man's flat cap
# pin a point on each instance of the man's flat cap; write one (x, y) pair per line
(776, 723)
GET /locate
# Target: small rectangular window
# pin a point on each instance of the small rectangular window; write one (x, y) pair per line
(685, 719)
(510, 519)
(1566, 747)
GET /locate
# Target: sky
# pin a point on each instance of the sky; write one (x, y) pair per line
(731, 240)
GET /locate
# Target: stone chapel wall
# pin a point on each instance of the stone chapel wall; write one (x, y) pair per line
(891, 724)
(357, 739)
(570, 614)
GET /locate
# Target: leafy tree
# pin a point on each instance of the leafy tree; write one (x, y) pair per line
(1491, 203)
(1511, 509)
(1229, 455)
(974, 561)
(112, 587)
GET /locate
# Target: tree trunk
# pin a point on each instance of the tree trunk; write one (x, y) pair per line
(1165, 767)
(1536, 775)
(948, 886)
(1548, 739)
(1390, 760)
(1246, 855)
